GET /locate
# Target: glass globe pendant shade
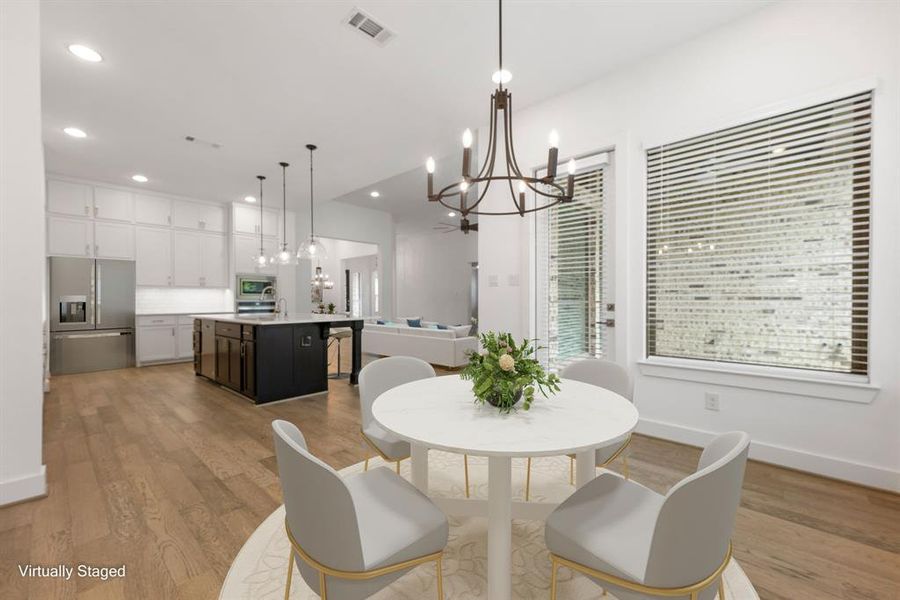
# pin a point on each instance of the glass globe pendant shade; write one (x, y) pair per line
(312, 249)
(283, 256)
(260, 261)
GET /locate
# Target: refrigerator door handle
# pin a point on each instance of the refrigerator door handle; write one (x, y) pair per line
(90, 335)
(92, 304)
(99, 291)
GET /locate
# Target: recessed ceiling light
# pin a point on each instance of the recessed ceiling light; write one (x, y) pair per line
(374, 193)
(249, 199)
(778, 150)
(75, 132)
(140, 178)
(85, 53)
(451, 214)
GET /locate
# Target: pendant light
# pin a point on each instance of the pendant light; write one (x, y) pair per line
(312, 248)
(260, 260)
(283, 256)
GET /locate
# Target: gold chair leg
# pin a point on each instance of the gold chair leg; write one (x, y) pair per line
(398, 467)
(287, 588)
(440, 579)
(528, 480)
(466, 467)
(571, 470)
(366, 466)
(722, 588)
(323, 591)
(552, 579)
(625, 471)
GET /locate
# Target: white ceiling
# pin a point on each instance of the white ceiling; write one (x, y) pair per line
(265, 78)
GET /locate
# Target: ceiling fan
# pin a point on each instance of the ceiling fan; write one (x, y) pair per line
(451, 227)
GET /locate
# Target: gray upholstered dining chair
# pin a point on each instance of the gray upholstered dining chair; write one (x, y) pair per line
(376, 378)
(610, 376)
(352, 536)
(639, 544)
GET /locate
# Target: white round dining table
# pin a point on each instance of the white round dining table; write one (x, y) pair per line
(440, 413)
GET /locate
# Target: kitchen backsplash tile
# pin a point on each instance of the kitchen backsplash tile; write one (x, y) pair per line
(150, 300)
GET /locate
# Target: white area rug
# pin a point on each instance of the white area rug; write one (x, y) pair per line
(259, 571)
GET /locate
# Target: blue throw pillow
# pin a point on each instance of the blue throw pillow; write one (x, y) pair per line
(379, 322)
(439, 326)
(414, 322)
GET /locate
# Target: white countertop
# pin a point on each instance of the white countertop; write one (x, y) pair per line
(292, 319)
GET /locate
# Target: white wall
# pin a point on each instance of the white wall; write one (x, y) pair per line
(782, 57)
(22, 262)
(351, 223)
(434, 275)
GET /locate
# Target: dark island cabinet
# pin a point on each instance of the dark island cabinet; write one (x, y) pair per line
(272, 362)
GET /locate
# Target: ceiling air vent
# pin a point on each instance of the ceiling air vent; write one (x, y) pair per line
(365, 24)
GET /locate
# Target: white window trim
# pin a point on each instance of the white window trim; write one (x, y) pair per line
(831, 386)
(820, 384)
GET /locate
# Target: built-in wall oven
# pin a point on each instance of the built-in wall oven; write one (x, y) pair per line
(255, 294)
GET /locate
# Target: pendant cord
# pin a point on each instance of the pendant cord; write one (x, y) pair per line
(500, 26)
(312, 229)
(284, 204)
(261, 246)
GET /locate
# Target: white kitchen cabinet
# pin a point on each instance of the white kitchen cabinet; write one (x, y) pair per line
(156, 343)
(194, 215)
(113, 240)
(188, 259)
(200, 259)
(246, 220)
(246, 247)
(113, 205)
(67, 198)
(69, 237)
(153, 256)
(184, 345)
(152, 210)
(215, 261)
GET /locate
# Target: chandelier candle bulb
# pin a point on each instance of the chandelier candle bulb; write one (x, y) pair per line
(467, 152)
(429, 167)
(522, 188)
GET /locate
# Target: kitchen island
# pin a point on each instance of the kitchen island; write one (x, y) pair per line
(268, 357)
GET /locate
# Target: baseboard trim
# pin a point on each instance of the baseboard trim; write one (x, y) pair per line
(24, 488)
(827, 466)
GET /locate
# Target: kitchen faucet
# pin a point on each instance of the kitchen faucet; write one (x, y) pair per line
(269, 289)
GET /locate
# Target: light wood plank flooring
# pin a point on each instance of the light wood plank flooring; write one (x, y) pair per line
(169, 474)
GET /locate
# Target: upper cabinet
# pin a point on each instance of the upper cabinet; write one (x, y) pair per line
(67, 198)
(153, 256)
(152, 210)
(113, 205)
(69, 237)
(246, 220)
(113, 240)
(193, 215)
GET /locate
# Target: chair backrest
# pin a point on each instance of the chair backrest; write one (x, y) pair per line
(383, 374)
(694, 526)
(319, 508)
(602, 373)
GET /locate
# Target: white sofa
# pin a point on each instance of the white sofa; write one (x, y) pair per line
(445, 347)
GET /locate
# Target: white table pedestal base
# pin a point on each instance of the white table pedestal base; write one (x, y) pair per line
(585, 468)
(499, 552)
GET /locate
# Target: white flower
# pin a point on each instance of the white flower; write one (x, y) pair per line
(506, 362)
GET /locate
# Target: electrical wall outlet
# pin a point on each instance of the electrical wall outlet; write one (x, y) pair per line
(712, 401)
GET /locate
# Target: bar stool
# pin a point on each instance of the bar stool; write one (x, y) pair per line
(335, 337)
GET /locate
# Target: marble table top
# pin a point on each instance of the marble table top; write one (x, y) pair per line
(439, 412)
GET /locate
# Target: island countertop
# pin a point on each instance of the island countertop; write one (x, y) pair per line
(299, 318)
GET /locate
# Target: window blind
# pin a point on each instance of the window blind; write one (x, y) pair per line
(570, 290)
(758, 241)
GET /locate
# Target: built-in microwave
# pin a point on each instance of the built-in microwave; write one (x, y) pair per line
(251, 287)
(255, 294)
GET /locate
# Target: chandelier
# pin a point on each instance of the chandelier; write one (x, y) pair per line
(456, 196)
(312, 248)
(322, 280)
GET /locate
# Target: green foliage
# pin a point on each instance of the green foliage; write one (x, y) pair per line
(503, 372)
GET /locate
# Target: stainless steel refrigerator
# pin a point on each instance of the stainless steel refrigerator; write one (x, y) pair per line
(91, 314)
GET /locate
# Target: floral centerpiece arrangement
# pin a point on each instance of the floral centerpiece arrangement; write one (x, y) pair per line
(503, 373)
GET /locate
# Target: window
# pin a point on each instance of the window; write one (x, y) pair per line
(758, 241)
(570, 290)
(355, 295)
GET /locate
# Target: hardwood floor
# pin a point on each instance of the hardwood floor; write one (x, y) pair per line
(169, 474)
